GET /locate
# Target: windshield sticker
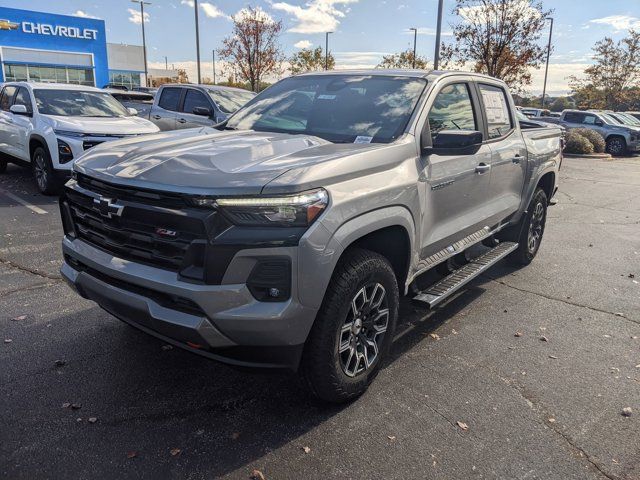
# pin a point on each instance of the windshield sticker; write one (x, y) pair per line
(326, 97)
(363, 139)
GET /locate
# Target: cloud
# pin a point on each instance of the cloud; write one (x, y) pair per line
(358, 59)
(477, 13)
(260, 14)
(303, 44)
(209, 9)
(429, 31)
(316, 16)
(83, 14)
(558, 83)
(618, 22)
(135, 17)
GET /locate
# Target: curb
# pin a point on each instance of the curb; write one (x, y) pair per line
(602, 156)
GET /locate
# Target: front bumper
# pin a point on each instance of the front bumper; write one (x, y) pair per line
(223, 322)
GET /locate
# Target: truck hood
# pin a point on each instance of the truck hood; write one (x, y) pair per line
(101, 125)
(205, 161)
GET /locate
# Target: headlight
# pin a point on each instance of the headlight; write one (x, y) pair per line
(298, 210)
(64, 152)
(69, 133)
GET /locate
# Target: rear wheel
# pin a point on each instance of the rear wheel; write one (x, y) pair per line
(616, 146)
(353, 331)
(43, 171)
(529, 231)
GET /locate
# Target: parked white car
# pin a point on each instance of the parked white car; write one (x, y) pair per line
(48, 126)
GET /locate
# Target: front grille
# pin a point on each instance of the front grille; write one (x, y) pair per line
(149, 197)
(143, 233)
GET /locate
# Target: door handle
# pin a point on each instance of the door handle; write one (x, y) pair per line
(482, 168)
(517, 159)
(182, 120)
(157, 117)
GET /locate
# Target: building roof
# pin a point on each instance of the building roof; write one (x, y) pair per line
(55, 86)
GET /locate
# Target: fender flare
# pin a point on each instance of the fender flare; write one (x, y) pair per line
(316, 268)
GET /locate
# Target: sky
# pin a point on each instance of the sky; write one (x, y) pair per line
(364, 30)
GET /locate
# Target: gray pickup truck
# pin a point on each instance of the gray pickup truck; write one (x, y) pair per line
(620, 138)
(178, 106)
(287, 237)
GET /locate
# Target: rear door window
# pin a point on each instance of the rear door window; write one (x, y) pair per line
(452, 110)
(574, 117)
(7, 97)
(496, 106)
(170, 98)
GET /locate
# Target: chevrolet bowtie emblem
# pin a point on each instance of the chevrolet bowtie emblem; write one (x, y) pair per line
(107, 207)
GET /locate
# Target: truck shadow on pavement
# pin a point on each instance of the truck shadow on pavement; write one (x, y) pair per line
(153, 399)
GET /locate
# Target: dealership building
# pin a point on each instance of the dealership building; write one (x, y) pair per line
(45, 47)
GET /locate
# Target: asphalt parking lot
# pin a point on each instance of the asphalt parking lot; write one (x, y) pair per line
(525, 374)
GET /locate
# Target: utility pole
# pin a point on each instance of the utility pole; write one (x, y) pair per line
(195, 5)
(144, 40)
(546, 69)
(214, 67)
(326, 50)
(415, 39)
(436, 57)
(166, 63)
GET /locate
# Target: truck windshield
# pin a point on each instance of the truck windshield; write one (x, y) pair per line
(337, 108)
(70, 103)
(228, 101)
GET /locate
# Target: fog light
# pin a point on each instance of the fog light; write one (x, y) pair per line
(274, 292)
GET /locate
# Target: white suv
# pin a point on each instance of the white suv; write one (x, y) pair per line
(48, 126)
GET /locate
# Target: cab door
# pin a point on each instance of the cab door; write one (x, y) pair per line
(508, 152)
(457, 185)
(195, 100)
(163, 114)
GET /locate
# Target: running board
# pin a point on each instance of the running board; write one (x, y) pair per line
(439, 291)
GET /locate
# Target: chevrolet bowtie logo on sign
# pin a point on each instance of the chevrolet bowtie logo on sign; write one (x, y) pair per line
(7, 25)
(107, 207)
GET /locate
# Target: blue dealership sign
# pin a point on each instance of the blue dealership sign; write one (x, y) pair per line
(56, 33)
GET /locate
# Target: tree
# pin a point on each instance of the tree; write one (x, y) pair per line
(500, 38)
(560, 104)
(403, 60)
(610, 81)
(308, 60)
(182, 76)
(253, 47)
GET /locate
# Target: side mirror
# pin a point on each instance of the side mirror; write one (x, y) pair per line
(455, 142)
(598, 123)
(132, 111)
(19, 110)
(204, 111)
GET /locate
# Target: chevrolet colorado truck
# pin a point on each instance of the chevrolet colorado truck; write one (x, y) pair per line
(286, 236)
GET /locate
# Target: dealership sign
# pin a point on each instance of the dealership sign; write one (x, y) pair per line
(53, 30)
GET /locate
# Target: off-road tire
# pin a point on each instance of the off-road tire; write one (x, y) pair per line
(321, 366)
(616, 146)
(520, 232)
(43, 171)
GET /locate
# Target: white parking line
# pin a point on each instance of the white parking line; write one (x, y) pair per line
(33, 208)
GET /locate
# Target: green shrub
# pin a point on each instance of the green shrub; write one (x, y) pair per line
(577, 144)
(594, 137)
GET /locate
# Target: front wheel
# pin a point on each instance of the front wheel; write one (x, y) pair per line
(616, 146)
(43, 171)
(353, 331)
(530, 229)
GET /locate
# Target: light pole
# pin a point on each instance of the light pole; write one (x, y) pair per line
(326, 50)
(415, 39)
(166, 63)
(195, 5)
(214, 66)
(546, 69)
(144, 39)
(436, 57)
